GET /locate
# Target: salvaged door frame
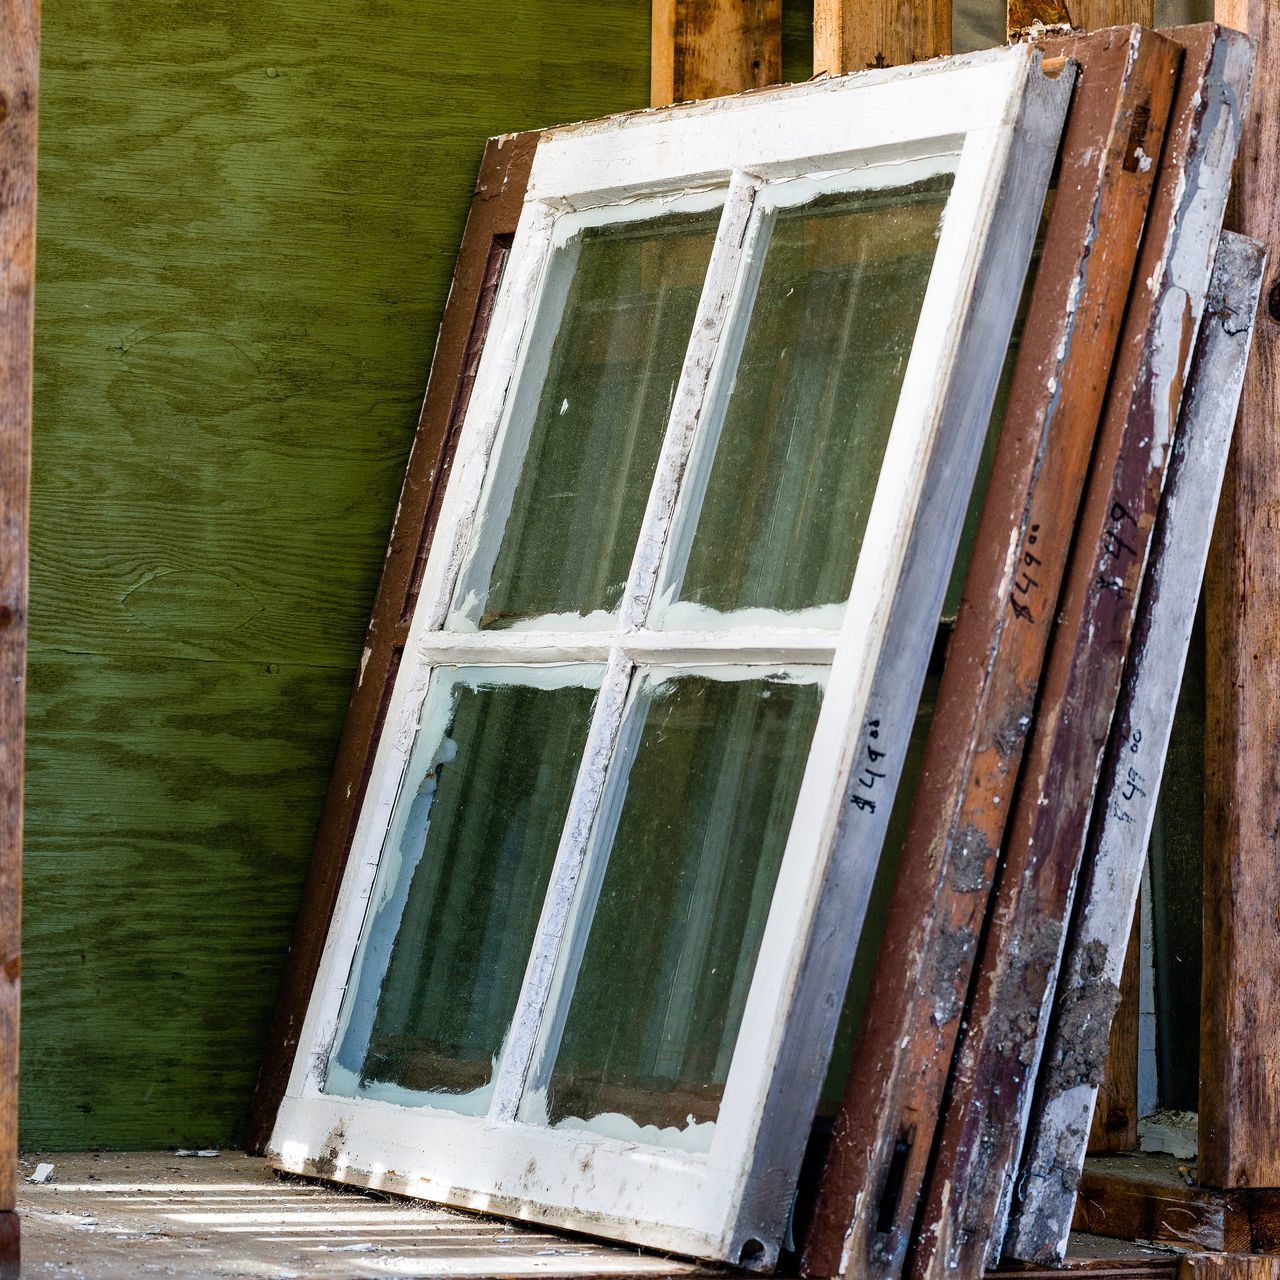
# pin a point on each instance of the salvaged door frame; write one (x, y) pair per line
(19, 74)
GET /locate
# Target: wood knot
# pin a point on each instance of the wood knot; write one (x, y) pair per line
(6, 616)
(1273, 301)
(13, 968)
(4, 107)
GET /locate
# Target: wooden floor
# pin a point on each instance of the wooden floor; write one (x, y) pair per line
(112, 1215)
(126, 1216)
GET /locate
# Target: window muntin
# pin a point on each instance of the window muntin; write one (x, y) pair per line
(841, 227)
(581, 441)
(798, 425)
(656, 966)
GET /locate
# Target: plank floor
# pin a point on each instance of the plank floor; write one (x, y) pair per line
(130, 1215)
(229, 1217)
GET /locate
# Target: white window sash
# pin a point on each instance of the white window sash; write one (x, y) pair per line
(1003, 117)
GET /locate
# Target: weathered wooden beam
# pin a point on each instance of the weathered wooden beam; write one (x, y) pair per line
(707, 48)
(1228, 1266)
(19, 73)
(499, 197)
(1240, 1020)
(851, 35)
(1115, 1117)
(1148, 1198)
(1092, 14)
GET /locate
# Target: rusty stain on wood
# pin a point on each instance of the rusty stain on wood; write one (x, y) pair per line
(1036, 19)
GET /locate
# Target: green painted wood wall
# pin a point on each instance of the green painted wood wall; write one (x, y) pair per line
(248, 218)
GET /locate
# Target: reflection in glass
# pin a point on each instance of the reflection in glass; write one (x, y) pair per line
(698, 830)
(810, 407)
(460, 887)
(568, 526)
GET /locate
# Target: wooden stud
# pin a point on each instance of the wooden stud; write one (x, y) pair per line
(851, 35)
(708, 48)
(19, 73)
(1115, 1117)
(883, 1135)
(1240, 1020)
(1125, 809)
(995, 1068)
(500, 188)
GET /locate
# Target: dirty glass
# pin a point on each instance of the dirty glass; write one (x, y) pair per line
(463, 874)
(698, 825)
(562, 522)
(812, 401)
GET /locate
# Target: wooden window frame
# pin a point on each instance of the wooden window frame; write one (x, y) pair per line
(999, 116)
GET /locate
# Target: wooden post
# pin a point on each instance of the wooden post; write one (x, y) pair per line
(19, 70)
(1094, 14)
(851, 35)
(1240, 1021)
(1115, 1118)
(707, 48)
(1032, 19)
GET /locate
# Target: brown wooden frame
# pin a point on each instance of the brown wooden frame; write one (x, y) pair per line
(19, 75)
(996, 1063)
(884, 1133)
(499, 196)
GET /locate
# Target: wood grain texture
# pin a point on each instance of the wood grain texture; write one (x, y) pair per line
(851, 35)
(708, 48)
(1133, 768)
(1240, 1022)
(1094, 14)
(1228, 1266)
(1115, 1117)
(19, 77)
(249, 219)
(883, 1135)
(1148, 1198)
(1006, 1021)
(1034, 19)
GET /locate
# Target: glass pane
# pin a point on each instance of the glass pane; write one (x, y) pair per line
(812, 402)
(460, 886)
(561, 539)
(698, 830)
